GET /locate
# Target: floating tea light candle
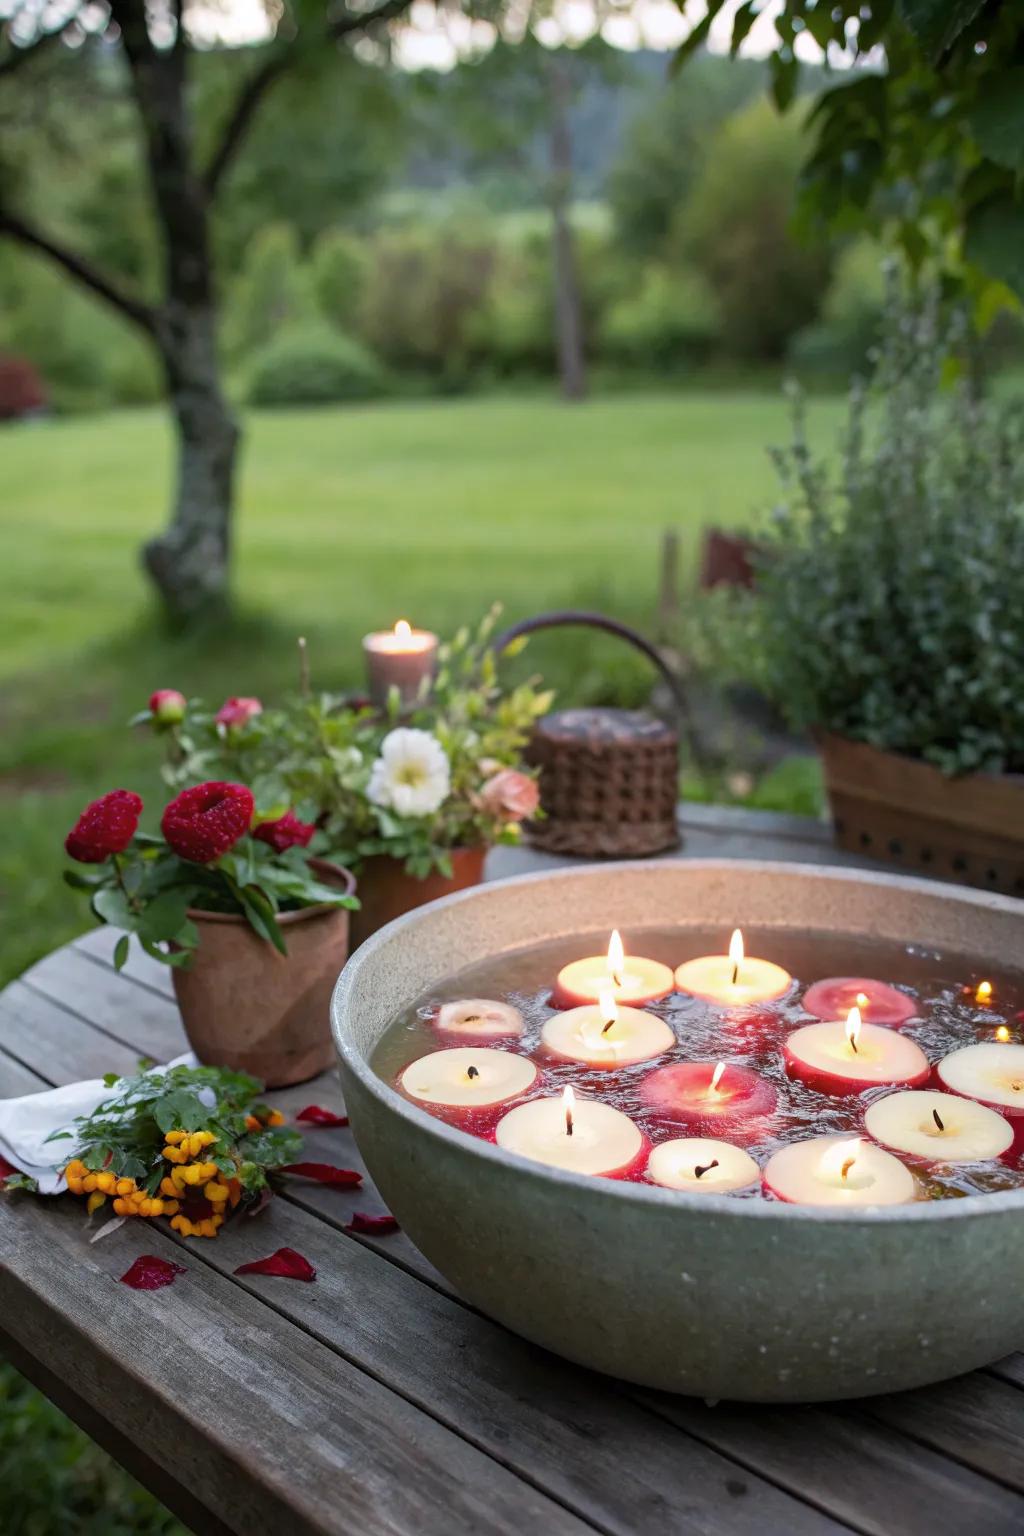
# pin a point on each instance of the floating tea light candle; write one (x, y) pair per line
(734, 979)
(941, 1127)
(631, 978)
(992, 1073)
(605, 1035)
(479, 1017)
(398, 658)
(702, 1166)
(876, 1001)
(581, 1135)
(464, 1083)
(847, 1058)
(710, 1097)
(838, 1170)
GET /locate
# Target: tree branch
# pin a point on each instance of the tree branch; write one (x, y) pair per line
(17, 56)
(143, 315)
(277, 64)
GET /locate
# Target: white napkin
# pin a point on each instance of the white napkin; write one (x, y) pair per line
(26, 1123)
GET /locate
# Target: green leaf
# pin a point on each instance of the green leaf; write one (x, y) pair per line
(938, 23)
(111, 904)
(785, 73)
(164, 916)
(262, 918)
(692, 42)
(994, 241)
(741, 24)
(81, 882)
(121, 949)
(180, 1109)
(997, 119)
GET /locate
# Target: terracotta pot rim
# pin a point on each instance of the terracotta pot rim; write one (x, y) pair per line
(322, 866)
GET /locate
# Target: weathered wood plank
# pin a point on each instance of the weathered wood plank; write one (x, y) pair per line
(99, 944)
(880, 1483)
(60, 1046)
(263, 1422)
(152, 1025)
(977, 1419)
(15, 1078)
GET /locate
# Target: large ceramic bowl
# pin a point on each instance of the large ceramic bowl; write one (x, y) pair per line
(693, 1293)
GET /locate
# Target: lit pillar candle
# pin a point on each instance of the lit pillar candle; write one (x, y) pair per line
(632, 979)
(992, 1073)
(847, 1058)
(398, 658)
(702, 1166)
(604, 1035)
(938, 1127)
(479, 1018)
(581, 1135)
(838, 1170)
(710, 1098)
(466, 1084)
(733, 980)
(876, 1001)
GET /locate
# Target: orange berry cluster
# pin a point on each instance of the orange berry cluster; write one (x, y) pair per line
(129, 1199)
(185, 1150)
(254, 1123)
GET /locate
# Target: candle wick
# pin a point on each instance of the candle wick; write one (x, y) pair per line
(608, 1026)
(699, 1172)
(568, 1121)
(938, 1119)
(847, 1166)
(472, 1072)
(853, 1046)
(735, 973)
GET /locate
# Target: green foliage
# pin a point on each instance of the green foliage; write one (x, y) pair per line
(888, 606)
(736, 226)
(339, 265)
(839, 343)
(312, 365)
(670, 320)
(271, 292)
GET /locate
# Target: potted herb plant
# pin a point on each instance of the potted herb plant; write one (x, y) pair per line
(889, 617)
(256, 929)
(410, 798)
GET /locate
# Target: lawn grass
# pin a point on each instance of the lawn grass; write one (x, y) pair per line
(348, 520)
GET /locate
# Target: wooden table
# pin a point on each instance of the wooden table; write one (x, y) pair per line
(374, 1401)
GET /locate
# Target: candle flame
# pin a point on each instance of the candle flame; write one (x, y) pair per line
(736, 954)
(716, 1078)
(862, 1000)
(853, 1028)
(608, 1007)
(984, 992)
(568, 1103)
(839, 1159)
(616, 957)
(403, 629)
(1002, 1034)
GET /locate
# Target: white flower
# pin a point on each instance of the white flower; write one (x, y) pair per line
(411, 776)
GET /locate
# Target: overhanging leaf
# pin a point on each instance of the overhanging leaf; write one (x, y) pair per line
(994, 241)
(997, 119)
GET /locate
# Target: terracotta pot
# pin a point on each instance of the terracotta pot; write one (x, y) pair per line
(247, 1007)
(903, 810)
(386, 891)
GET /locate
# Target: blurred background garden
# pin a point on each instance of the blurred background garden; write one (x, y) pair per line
(405, 311)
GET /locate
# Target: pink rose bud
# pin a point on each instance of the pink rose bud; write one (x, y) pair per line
(510, 795)
(235, 712)
(167, 706)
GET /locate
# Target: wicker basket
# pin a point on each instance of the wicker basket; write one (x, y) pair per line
(609, 778)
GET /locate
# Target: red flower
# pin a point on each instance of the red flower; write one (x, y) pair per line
(286, 832)
(285, 1262)
(314, 1115)
(202, 823)
(372, 1226)
(236, 711)
(106, 826)
(167, 706)
(325, 1173)
(149, 1273)
(510, 795)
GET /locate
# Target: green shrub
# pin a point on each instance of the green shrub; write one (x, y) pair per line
(889, 604)
(313, 366)
(671, 318)
(339, 264)
(270, 292)
(851, 315)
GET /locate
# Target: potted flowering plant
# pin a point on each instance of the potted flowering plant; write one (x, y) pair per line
(411, 800)
(256, 929)
(887, 614)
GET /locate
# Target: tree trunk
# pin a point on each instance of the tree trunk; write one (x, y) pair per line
(568, 310)
(190, 561)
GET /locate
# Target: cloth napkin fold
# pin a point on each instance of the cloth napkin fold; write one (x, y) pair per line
(26, 1122)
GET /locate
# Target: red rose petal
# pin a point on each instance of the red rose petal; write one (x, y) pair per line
(149, 1273)
(285, 1262)
(6, 1169)
(313, 1114)
(374, 1226)
(324, 1173)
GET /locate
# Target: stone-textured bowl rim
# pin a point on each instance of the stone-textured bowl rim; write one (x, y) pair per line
(753, 1210)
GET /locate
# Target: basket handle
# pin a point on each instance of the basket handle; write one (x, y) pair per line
(585, 618)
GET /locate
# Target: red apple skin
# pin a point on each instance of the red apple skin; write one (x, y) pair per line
(744, 1120)
(632, 1171)
(841, 1086)
(1014, 1116)
(773, 1194)
(833, 998)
